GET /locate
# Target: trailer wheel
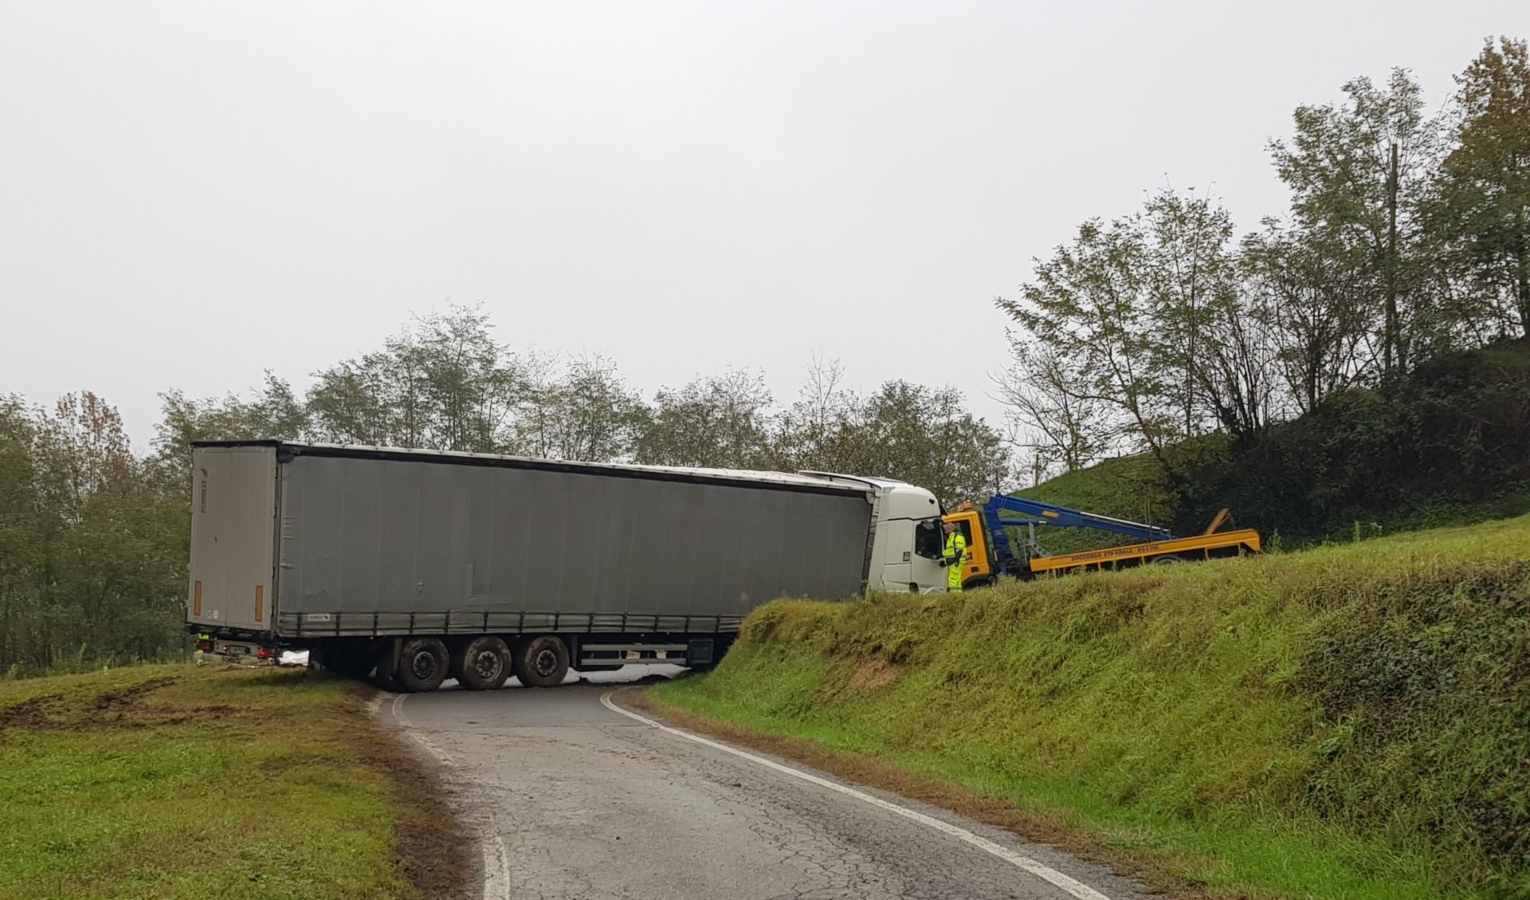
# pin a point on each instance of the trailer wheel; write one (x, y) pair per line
(541, 661)
(422, 665)
(484, 664)
(1168, 559)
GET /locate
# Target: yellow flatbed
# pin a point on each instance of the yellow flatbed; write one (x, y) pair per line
(1202, 546)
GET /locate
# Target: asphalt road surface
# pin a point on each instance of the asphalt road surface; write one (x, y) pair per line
(575, 798)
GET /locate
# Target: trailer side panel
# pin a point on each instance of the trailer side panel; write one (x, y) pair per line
(424, 545)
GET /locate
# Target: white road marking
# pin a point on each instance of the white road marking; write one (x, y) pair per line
(1046, 873)
(496, 856)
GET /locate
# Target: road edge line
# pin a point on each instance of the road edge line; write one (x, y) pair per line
(496, 854)
(1068, 884)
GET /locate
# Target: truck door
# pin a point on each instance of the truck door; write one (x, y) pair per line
(929, 544)
(233, 534)
(897, 536)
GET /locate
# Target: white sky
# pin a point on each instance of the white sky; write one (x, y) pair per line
(191, 193)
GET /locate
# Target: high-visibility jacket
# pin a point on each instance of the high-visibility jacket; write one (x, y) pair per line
(956, 555)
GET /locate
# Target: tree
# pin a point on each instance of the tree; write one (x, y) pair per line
(717, 422)
(1483, 205)
(444, 384)
(586, 413)
(274, 413)
(1237, 374)
(1359, 174)
(925, 437)
(1049, 402)
(1304, 295)
(808, 434)
(1190, 275)
(1092, 304)
(92, 556)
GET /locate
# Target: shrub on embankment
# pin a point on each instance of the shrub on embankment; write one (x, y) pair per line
(1368, 703)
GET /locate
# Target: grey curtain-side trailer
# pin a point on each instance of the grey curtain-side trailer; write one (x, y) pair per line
(426, 565)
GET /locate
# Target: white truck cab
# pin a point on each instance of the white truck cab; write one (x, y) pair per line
(906, 541)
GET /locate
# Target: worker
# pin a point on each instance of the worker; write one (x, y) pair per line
(954, 556)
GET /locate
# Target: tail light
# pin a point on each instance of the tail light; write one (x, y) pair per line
(205, 646)
(266, 653)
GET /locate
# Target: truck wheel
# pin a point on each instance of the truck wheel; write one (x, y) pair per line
(485, 664)
(541, 661)
(422, 665)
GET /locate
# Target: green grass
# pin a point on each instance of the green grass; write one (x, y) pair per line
(1348, 722)
(209, 783)
(1128, 487)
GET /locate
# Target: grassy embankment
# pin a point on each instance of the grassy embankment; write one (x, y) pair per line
(177, 782)
(1349, 722)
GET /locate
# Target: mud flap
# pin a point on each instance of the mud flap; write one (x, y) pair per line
(387, 662)
(698, 652)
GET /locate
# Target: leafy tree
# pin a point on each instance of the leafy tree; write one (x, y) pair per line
(22, 527)
(1091, 304)
(1191, 287)
(586, 413)
(274, 412)
(92, 564)
(1306, 296)
(444, 384)
(1483, 202)
(923, 436)
(808, 434)
(1128, 318)
(1359, 173)
(721, 421)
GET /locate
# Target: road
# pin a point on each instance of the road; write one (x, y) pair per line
(577, 799)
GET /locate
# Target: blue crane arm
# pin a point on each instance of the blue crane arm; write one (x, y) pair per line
(1049, 514)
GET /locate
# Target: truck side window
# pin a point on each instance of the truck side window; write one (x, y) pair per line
(927, 539)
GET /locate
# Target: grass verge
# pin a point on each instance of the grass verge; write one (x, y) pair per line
(179, 782)
(1349, 722)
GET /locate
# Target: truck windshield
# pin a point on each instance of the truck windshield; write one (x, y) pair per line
(927, 539)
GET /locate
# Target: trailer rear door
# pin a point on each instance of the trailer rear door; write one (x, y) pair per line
(233, 531)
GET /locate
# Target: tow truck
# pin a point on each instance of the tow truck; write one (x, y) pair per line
(992, 553)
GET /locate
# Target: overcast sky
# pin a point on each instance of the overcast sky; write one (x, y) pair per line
(191, 193)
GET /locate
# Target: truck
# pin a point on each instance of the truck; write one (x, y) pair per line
(415, 566)
(991, 553)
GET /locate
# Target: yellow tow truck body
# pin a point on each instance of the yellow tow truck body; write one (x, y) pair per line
(989, 558)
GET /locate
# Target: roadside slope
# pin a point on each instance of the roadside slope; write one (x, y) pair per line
(173, 781)
(1346, 722)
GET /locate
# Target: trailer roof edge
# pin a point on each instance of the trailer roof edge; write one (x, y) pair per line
(738, 477)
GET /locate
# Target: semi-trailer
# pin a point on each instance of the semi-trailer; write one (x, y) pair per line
(416, 566)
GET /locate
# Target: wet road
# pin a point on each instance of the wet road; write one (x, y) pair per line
(576, 799)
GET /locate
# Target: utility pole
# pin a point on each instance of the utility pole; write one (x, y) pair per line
(1392, 351)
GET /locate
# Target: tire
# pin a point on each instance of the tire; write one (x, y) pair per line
(484, 664)
(422, 665)
(541, 661)
(1168, 559)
